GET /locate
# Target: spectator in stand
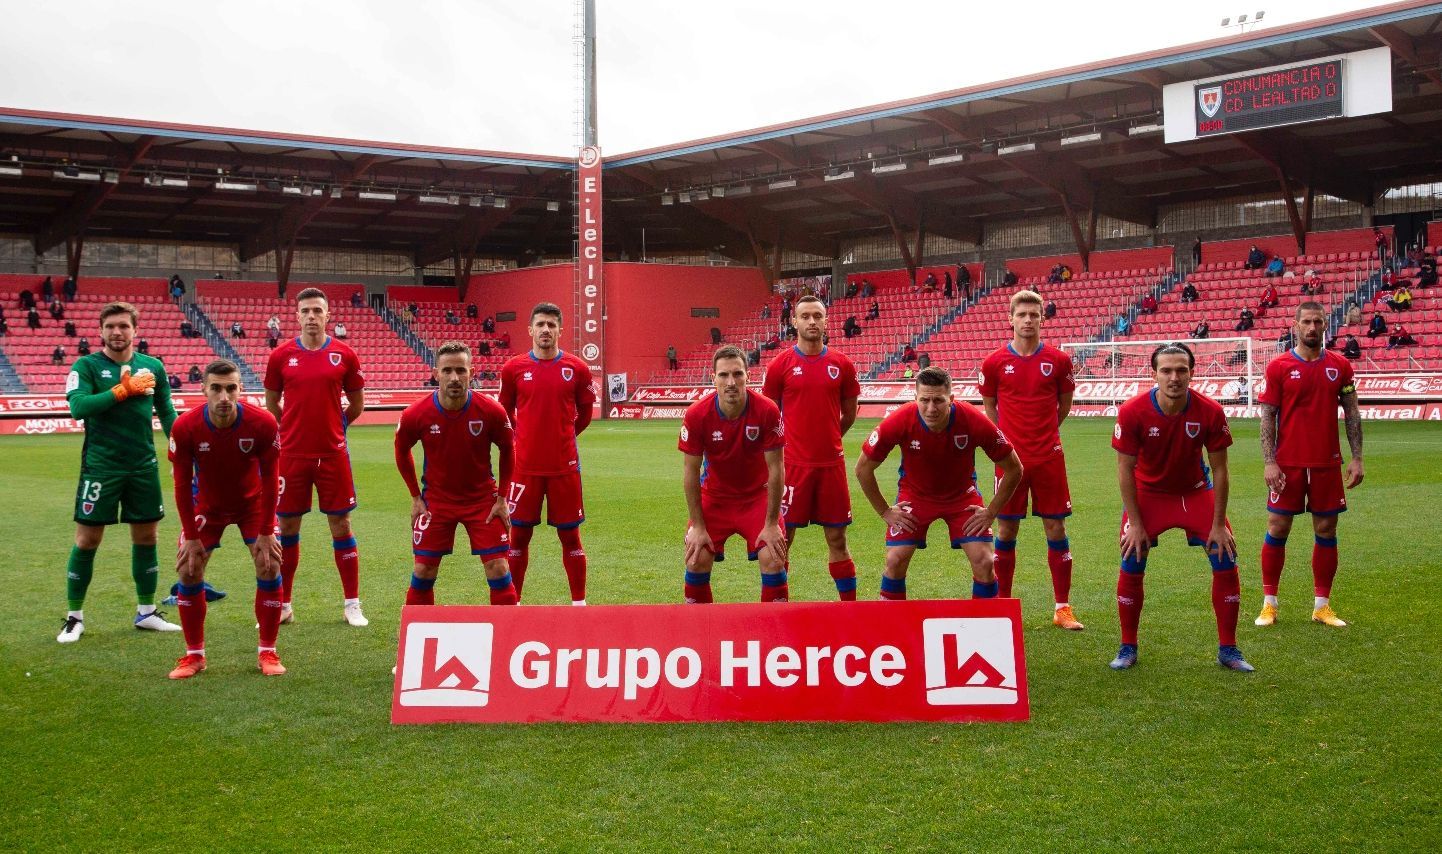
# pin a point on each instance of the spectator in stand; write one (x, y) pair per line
(1066, 273)
(237, 330)
(1269, 296)
(1354, 313)
(27, 298)
(415, 311)
(1379, 238)
(1050, 309)
(57, 310)
(851, 328)
(1246, 319)
(272, 336)
(193, 375)
(963, 275)
(32, 317)
(908, 373)
(908, 353)
(186, 329)
(1378, 325)
(766, 311)
(177, 287)
(1197, 252)
(753, 356)
(341, 332)
(483, 347)
(1009, 279)
(923, 361)
(4, 326)
(357, 299)
(47, 290)
(1274, 268)
(874, 311)
(1351, 348)
(69, 329)
(57, 356)
(472, 312)
(946, 286)
(1256, 260)
(1054, 277)
(488, 325)
(69, 288)
(1149, 304)
(1388, 278)
(504, 340)
(1203, 329)
(671, 357)
(868, 290)
(432, 382)
(1124, 324)
(1427, 272)
(771, 343)
(786, 301)
(142, 345)
(1287, 340)
(1401, 299)
(1400, 337)
(1311, 283)
(174, 382)
(929, 285)
(1189, 293)
(82, 347)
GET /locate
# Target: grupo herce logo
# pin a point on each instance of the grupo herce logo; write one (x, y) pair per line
(970, 661)
(447, 664)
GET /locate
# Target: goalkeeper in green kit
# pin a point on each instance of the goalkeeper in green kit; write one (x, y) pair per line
(114, 391)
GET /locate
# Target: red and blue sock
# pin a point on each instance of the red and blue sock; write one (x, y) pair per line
(289, 562)
(774, 587)
(503, 590)
(893, 589)
(697, 588)
(1130, 596)
(347, 563)
(1058, 560)
(191, 601)
(984, 590)
(1004, 565)
(843, 572)
(267, 610)
(422, 591)
(1274, 556)
(1324, 565)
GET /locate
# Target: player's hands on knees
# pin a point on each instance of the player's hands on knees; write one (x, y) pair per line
(191, 558)
(699, 540)
(1272, 474)
(1221, 542)
(500, 510)
(899, 517)
(266, 552)
(1354, 473)
(979, 523)
(418, 509)
(774, 538)
(1136, 543)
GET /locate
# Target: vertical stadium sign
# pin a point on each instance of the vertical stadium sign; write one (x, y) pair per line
(1282, 96)
(591, 294)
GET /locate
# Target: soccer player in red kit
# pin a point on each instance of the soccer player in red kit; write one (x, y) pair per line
(548, 394)
(733, 479)
(304, 380)
(1159, 439)
(224, 458)
(456, 428)
(1302, 459)
(816, 388)
(939, 438)
(1026, 389)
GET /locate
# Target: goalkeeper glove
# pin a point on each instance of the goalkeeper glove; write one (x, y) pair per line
(141, 382)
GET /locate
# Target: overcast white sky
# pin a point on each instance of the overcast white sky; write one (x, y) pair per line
(499, 75)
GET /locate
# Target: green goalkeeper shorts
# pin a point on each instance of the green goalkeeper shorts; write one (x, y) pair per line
(104, 498)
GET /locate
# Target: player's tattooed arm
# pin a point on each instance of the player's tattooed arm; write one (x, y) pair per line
(1271, 472)
(1352, 418)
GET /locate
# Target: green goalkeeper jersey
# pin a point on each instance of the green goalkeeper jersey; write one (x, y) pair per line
(119, 437)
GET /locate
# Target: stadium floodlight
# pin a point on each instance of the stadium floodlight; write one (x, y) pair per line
(1082, 138)
(499, 202)
(781, 184)
(718, 192)
(110, 176)
(685, 198)
(1016, 148)
(838, 173)
(883, 168)
(1143, 130)
(272, 185)
(1257, 17)
(12, 169)
(430, 199)
(155, 179)
(336, 192)
(1226, 22)
(1241, 19)
(70, 173)
(238, 186)
(376, 195)
(668, 200)
(943, 159)
(553, 206)
(293, 190)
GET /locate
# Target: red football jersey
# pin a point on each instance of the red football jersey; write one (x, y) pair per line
(226, 471)
(312, 419)
(1306, 395)
(809, 390)
(549, 402)
(733, 451)
(1169, 448)
(459, 443)
(940, 466)
(1027, 389)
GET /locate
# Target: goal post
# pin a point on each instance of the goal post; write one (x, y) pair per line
(1227, 369)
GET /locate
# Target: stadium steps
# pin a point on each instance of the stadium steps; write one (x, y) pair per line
(922, 337)
(10, 382)
(407, 334)
(203, 324)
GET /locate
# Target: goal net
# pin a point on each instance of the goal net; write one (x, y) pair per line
(1227, 369)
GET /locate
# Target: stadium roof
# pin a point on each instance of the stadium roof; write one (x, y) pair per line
(970, 156)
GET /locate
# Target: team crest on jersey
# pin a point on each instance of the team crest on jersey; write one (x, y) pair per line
(1332, 374)
(335, 359)
(246, 444)
(961, 442)
(1046, 369)
(833, 371)
(567, 373)
(753, 432)
(477, 427)
(1194, 429)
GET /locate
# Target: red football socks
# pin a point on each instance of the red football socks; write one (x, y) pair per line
(347, 563)
(573, 558)
(191, 602)
(1129, 604)
(843, 572)
(519, 557)
(1226, 599)
(1274, 555)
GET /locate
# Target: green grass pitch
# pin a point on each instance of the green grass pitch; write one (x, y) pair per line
(1333, 744)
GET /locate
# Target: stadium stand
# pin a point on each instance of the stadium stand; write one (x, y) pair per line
(29, 351)
(387, 360)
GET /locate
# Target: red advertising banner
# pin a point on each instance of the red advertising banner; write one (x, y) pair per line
(937, 660)
(590, 340)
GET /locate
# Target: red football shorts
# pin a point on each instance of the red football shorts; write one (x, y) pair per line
(210, 525)
(1315, 490)
(954, 513)
(562, 494)
(1046, 484)
(743, 517)
(819, 495)
(1192, 513)
(330, 477)
(434, 535)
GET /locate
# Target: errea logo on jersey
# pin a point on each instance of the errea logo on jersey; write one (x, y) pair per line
(293, 363)
(435, 429)
(716, 436)
(446, 664)
(1010, 369)
(1295, 374)
(796, 371)
(1153, 432)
